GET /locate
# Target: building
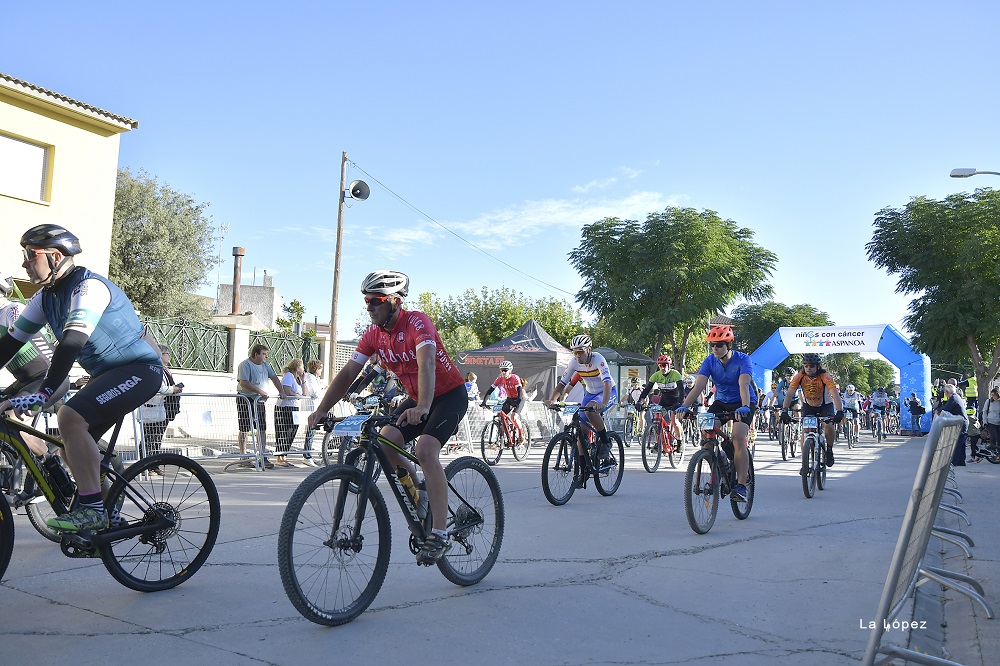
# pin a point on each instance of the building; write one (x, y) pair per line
(58, 165)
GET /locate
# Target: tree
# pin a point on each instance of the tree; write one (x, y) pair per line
(756, 323)
(662, 280)
(295, 311)
(947, 253)
(493, 315)
(162, 247)
(459, 339)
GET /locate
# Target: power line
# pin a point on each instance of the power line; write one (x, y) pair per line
(458, 236)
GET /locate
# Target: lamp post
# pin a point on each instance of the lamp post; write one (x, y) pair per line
(967, 173)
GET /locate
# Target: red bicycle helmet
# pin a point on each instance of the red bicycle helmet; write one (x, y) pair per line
(664, 360)
(720, 334)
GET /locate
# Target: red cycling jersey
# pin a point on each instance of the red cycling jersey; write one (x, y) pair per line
(397, 351)
(511, 384)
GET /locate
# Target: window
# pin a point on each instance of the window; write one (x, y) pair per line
(23, 168)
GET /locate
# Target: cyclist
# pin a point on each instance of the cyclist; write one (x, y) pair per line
(599, 391)
(730, 371)
(30, 363)
(783, 389)
(407, 344)
(383, 384)
(769, 402)
(96, 325)
(671, 385)
(879, 402)
(514, 389)
(632, 400)
(820, 398)
(852, 403)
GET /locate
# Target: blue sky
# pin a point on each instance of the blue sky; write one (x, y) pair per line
(514, 124)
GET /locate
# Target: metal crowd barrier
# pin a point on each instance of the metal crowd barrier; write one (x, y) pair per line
(907, 569)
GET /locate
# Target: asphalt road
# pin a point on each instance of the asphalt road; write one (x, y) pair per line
(619, 579)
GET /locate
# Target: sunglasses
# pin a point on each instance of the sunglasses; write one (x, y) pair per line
(30, 253)
(716, 345)
(376, 300)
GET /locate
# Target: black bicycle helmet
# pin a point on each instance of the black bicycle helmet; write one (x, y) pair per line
(52, 236)
(813, 359)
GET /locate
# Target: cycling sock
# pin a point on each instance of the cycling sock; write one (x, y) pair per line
(92, 501)
(441, 533)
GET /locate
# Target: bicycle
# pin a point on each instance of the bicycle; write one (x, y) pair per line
(632, 428)
(659, 439)
(878, 426)
(813, 455)
(711, 475)
(335, 534)
(564, 469)
(848, 427)
(788, 437)
(772, 423)
(162, 527)
(502, 433)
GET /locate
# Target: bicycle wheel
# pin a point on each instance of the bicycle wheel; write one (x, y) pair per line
(559, 469)
(475, 521)
(330, 577)
(6, 534)
(783, 437)
(491, 442)
(185, 494)
(701, 492)
(609, 475)
(629, 427)
(521, 448)
(358, 457)
(821, 468)
(677, 453)
(331, 448)
(742, 509)
(793, 440)
(808, 464)
(651, 449)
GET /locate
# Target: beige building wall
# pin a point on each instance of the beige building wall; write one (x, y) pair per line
(79, 190)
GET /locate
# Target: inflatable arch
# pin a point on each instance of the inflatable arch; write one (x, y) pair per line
(914, 368)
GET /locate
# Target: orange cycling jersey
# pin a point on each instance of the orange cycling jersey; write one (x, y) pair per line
(817, 390)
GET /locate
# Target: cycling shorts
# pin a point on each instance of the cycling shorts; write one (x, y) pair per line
(510, 404)
(826, 409)
(442, 420)
(114, 393)
(592, 397)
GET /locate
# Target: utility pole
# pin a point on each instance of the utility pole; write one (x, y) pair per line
(336, 268)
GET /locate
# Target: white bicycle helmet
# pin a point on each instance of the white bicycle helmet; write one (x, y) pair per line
(506, 365)
(581, 342)
(388, 283)
(689, 381)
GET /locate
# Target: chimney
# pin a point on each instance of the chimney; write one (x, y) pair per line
(238, 253)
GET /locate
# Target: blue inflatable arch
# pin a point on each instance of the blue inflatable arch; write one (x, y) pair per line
(914, 368)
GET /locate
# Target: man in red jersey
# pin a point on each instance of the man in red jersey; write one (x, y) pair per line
(408, 345)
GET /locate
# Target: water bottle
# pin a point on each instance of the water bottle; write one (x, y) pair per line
(57, 474)
(404, 478)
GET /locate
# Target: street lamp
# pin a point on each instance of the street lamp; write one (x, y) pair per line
(966, 173)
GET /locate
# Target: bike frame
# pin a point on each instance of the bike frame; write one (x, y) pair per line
(666, 435)
(10, 434)
(710, 439)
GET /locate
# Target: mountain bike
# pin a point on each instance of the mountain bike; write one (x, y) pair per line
(813, 455)
(850, 435)
(335, 535)
(659, 439)
(788, 437)
(711, 475)
(892, 423)
(632, 427)
(564, 469)
(986, 449)
(878, 426)
(373, 404)
(162, 526)
(502, 433)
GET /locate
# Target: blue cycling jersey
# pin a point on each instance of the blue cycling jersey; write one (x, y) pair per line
(727, 377)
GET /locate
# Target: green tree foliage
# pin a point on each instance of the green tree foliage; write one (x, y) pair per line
(492, 315)
(162, 247)
(661, 280)
(460, 339)
(294, 311)
(756, 323)
(867, 374)
(947, 253)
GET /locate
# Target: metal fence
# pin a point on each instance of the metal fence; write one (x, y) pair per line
(284, 347)
(908, 569)
(193, 345)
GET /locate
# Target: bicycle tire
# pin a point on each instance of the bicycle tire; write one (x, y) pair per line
(793, 440)
(490, 442)
(651, 449)
(166, 558)
(783, 436)
(701, 492)
(477, 523)
(358, 457)
(629, 427)
(560, 468)
(742, 509)
(319, 570)
(6, 534)
(809, 477)
(821, 468)
(608, 480)
(677, 450)
(520, 450)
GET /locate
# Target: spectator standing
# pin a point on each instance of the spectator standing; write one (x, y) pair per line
(313, 387)
(252, 376)
(160, 410)
(916, 411)
(471, 387)
(970, 389)
(954, 404)
(990, 414)
(285, 427)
